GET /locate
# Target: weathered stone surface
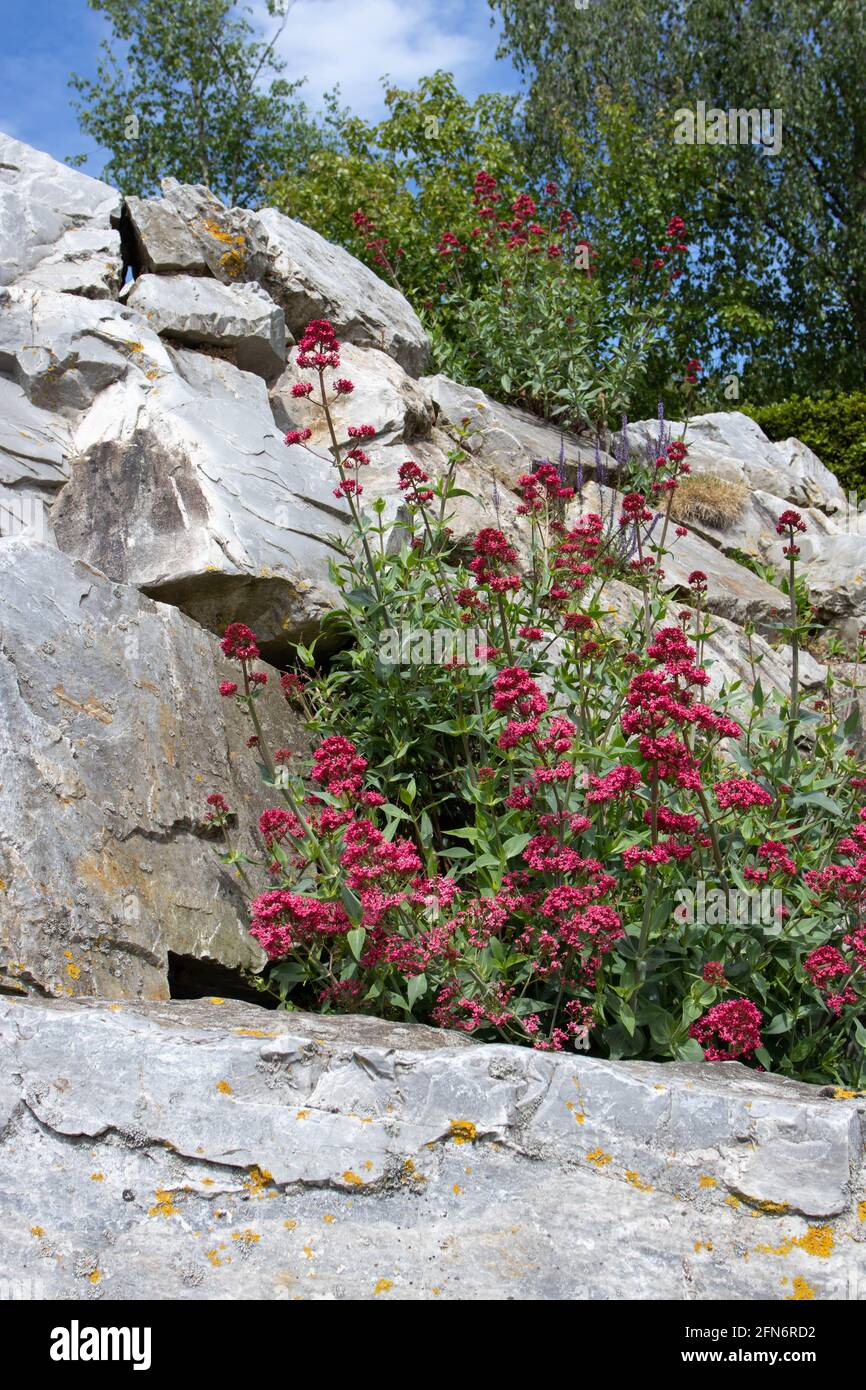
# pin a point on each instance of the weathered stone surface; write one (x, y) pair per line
(508, 440)
(385, 396)
(184, 487)
(242, 319)
(313, 278)
(55, 225)
(112, 733)
(309, 277)
(732, 446)
(754, 532)
(835, 571)
(253, 1155)
(63, 351)
(35, 446)
(164, 244)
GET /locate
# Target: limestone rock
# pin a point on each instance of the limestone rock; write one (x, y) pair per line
(240, 319)
(35, 446)
(63, 351)
(251, 1155)
(56, 228)
(835, 571)
(163, 243)
(313, 278)
(732, 446)
(733, 591)
(507, 439)
(306, 275)
(184, 487)
(112, 734)
(729, 655)
(396, 405)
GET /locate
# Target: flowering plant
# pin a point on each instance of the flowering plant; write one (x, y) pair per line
(520, 839)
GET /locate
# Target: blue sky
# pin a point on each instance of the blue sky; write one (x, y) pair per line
(353, 42)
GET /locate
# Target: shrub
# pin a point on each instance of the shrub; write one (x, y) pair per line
(834, 427)
(549, 837)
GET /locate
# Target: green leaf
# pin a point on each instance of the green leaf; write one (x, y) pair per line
(416, 989)
(356, 939)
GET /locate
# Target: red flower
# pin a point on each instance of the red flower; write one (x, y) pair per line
(239, 643)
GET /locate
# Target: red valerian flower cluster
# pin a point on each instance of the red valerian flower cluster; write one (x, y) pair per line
(729, 1032)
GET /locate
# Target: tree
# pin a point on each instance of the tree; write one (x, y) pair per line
(781, 278)
(188, 88)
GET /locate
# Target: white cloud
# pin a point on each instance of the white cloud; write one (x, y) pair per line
(354, 43)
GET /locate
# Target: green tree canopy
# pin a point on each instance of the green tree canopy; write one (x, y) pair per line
(779, 287)
(189, 88)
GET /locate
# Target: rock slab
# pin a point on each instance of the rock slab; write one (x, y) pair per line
(211, 1150)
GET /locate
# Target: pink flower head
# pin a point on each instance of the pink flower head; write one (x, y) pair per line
(730, 1031)
(239, 643)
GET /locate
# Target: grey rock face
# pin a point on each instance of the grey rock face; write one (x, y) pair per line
(507, 439)
(184, 488)
(56, 225)
(207, 1150)
(64, 351)
(35, 446)
(242, 319)
(385, 397)
(164, 243)
(733, 591)
(835, 570)
(307, 276)
(729, 655)
(313, 278)
(732, 446)
(112, 734)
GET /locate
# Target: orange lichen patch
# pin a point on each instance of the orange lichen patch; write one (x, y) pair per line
(207, 1182)
(258, 1180)
(248, 1237)
(463, 1131)
(598, 1157)
(352, 1178)
(368, 1164)
(308, 1251)
(803, 1292)
(772, 1208)
(703, 1245)
(302, 1115)
(733, 1201)
(37, 1231)
(841, 1094)
(383, 1285)
(213, 1256)
(410, 1172)
(706, 1181)
(73, 971)
(95, 1275)
(252, 1033)
(214, 1000)
(579, 1117)
(97, 1177)
(457, 1189)
(164, 1204)
(290, 1225)
(224, 1088)
(435, 1289)
(634, 1181)
(817, 1241)
(861, 1210)
(658, 1086)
